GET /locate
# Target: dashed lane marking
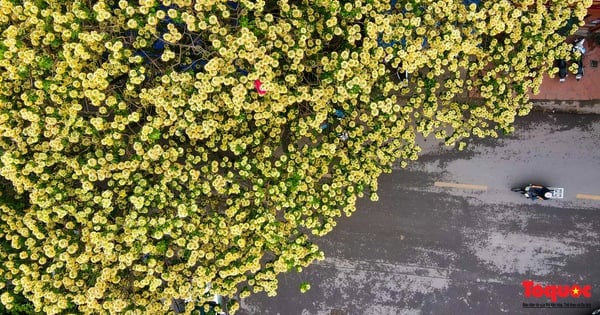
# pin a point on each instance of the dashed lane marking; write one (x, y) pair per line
(457, 185)
(586, 196)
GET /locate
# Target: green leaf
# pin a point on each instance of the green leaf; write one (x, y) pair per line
(32, 97)
(56, 43)
(243, 21)
(154, 135)
(46, 63)
(24, 72)
(304, 286)
(2, 50)
(46, 85)
(162, 246)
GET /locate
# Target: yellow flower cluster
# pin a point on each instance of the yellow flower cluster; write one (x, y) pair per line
(158, 149)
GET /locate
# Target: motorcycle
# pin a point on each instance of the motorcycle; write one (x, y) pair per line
(578, 47)
(562, 70)
(535, 192)
(579, 73)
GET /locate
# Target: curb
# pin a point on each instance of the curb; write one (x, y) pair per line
(586, 107)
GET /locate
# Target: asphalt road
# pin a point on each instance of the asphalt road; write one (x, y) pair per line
(426, 249)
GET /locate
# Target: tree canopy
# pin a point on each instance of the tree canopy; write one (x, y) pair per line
(151, 149)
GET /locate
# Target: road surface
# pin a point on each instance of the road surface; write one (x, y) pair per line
(428, 248)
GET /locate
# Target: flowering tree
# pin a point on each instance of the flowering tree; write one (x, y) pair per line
(151, 149)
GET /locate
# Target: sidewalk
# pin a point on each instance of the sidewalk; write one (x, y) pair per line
(572, 96)
(582, 97)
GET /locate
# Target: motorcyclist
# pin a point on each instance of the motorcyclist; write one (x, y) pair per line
(538, 192)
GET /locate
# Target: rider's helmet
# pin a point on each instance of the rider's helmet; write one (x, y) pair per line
(548, 195)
